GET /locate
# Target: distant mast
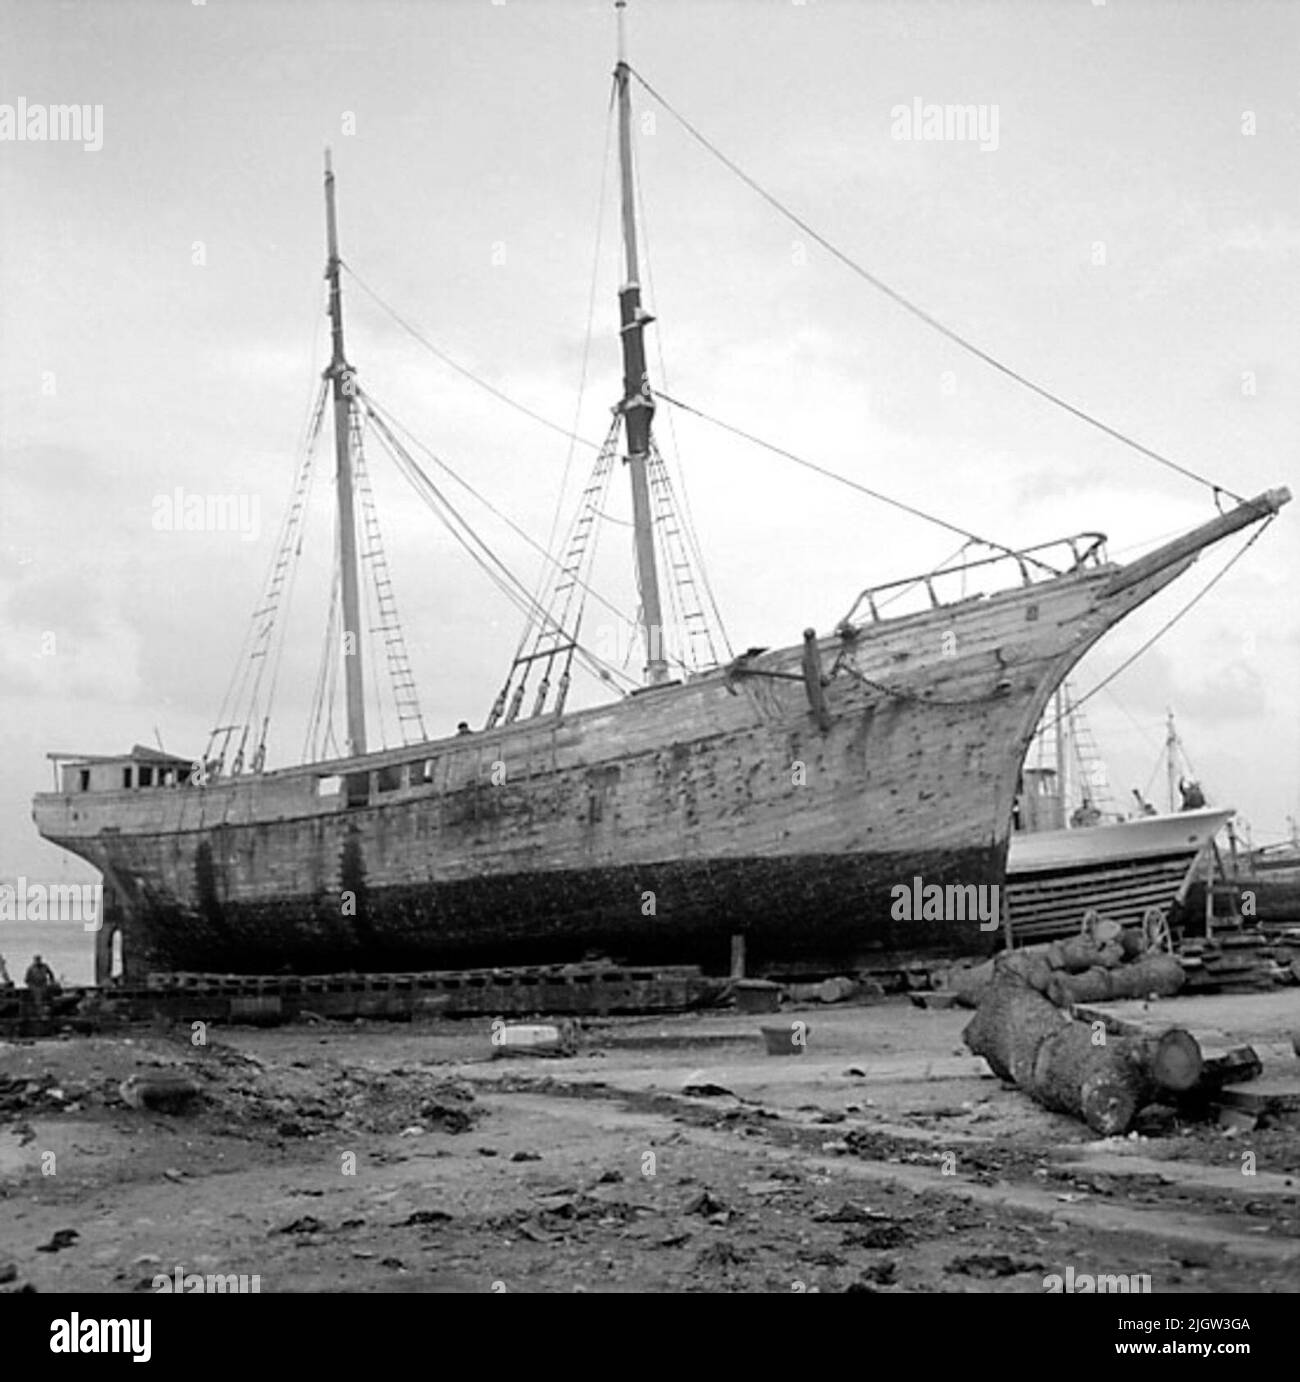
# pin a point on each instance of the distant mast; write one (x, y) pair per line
(341, 377)
(638, 402)
(1171, 759)
(1062, 756)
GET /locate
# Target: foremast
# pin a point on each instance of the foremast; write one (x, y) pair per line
(638, 405)
(340, 375)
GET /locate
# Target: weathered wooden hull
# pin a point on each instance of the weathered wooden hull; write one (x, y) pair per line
(809, 909)
(652, 829)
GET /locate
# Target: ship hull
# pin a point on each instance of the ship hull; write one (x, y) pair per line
(654, 829)
(1055, 877)
(808, 912)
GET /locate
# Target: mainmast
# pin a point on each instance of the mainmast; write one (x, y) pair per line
(638, 402)
(340, 374)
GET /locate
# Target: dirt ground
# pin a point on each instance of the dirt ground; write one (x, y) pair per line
(668, 1154)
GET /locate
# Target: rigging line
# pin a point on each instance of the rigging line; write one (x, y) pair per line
(334, 631)
(371, 615)
(314, 735)
(460, 369)
(239, 688)
(933, 322)
(276, 654)
(668, 398)
(491, 508)
(1137, 724)
(852, 484)
(692, 542)
(505, 580)
(545, 577)
(1164, 628)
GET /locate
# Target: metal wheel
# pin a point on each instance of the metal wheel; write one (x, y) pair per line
(1155, 929)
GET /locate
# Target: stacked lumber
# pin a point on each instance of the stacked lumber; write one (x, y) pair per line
(1235, 962)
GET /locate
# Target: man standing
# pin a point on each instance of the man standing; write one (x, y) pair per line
(41, 983)
(39, 975)
(5, 981)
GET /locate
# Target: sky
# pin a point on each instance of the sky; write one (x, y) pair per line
(1126, 232)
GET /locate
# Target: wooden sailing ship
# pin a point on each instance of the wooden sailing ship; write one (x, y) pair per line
(781, 796)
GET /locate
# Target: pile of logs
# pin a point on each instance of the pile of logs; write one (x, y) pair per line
(1078, 1067)
(1078, 970)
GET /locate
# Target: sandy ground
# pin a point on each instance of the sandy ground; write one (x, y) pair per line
(669, 1154)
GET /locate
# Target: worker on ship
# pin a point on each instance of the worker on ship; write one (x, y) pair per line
(5, 981)
(40, 980)
(1193, 797)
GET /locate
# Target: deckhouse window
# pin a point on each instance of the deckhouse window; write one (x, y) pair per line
(83, 779)
(146, 777)
(126, 777)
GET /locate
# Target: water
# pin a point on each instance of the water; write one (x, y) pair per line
(65, 946)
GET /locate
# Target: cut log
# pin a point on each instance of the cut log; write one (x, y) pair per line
(970, 985)
(1060, 1063)
(1158, 974)
(1172, 1058)
(1079, 953)
(1010, 1025)
(1029, 965)
(1099, 1084)
(1073, 971)
(1132, 943)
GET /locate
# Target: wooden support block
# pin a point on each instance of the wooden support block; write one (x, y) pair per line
(1233, 1066)
(1276, 1094)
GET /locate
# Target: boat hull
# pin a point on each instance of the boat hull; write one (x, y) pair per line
(1119, 871)
(654, 829)
(796, 911)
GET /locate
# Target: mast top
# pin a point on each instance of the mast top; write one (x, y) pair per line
(620, 6)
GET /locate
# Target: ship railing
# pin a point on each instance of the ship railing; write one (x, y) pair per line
(1046, 561)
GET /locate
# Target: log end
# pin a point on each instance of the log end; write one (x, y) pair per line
(1108, 1106)
(1176, 1061)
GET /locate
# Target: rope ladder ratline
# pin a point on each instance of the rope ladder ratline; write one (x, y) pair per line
(505, 580)
(556, 631)
(259, 646)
